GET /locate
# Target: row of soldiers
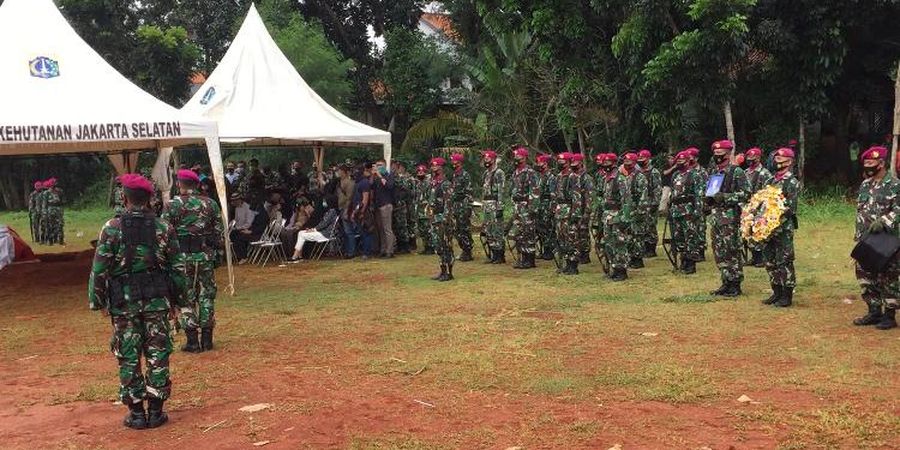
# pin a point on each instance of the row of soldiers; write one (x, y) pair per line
(45, 213)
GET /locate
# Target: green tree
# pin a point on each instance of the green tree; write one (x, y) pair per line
(162, 61)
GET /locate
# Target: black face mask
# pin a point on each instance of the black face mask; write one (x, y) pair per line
(720, 158)
(420, 176)
(870, 172)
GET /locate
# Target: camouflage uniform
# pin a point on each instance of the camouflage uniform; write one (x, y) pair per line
(273, 180)
(492, 192)
(725, 216)
(569, 214)
(439, 210)
(198, 225)
(545, 228)
(758, 177)
(651, 230)
(703, 243)
(52, 217)
(615, 209)
(641, 200)
(779, 249)
(424, 223)
(400, 218)
(34, 214)
(586, 184)
(252, 188)
(879, 201)
(137, 283)
(461, 209)
(526, 197)
(686, 214)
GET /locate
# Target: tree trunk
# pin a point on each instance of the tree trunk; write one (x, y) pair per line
(894, 142)
(839, 161)
(580, 141)
(801, 162)
(729, 122)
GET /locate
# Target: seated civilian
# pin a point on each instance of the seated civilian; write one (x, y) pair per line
(322, 232)
(242, 231)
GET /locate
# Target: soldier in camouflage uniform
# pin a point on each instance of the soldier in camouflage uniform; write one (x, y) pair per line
(877, 211)
(641, 201)
(586, 185)
(492, 200)
(725, 216)
(570, 204)
(52, 214)
(758, 177)
(198, 223)
(779, 248)
(252, 186)
(615, 216)
(526, 199)
(34, 212)
(423, 224)
(137, 277)
(546, 234)
(694, 155)
(686, 213)
(654, 188)
(461, 206)
(403, 192)
(439, 200)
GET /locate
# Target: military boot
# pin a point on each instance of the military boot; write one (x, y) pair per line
(584, 258)
(690, 267)
(636, 263)
(440, 276)
(786, 299)
(206, 339)
(571, 267)
(650, 250)
(620, 274)
(888, 319)
(193, 342)
(776, 294)
(155, 414)
(448, 274)
(547, 255)
(873, 317)
(136, 418)
(522, 263)
(501, 257)
(732, 289)
(466, 255)
(758, 260)
(721, 290)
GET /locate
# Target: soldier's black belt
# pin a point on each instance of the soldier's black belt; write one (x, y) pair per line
(194, 244)
(682, 200)
(490, 198)
(142, 287)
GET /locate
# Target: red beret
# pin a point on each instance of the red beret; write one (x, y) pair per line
(739, 159)
(188, 175)
(564, 156)
(785, 153)
(684, 154)
(520, 152)
(421, 167)
(754, 152)
(645, 154)
(50, 183)
(600, 158)
(723, 145)
(631, 156)
(438, 161)
(457, 157)
(488, 153)
(576, 157)
(543, 158)
(38, 185)
(692, 152)
(136, 182)
(878, 153)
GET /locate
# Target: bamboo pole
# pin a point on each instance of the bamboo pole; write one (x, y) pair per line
(896, 133)
(729, 122)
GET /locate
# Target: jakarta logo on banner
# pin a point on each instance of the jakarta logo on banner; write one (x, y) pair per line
(208, 96)
(44, 67)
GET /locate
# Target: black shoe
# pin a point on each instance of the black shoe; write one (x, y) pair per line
(206, 339)
(584, 258)
(888, 319)
(732, 289)
(758, 260)
(619, 275)
(873, 317)
(466, 256)
(690, 267)
(136, 418)
(491, 256)
(155, 414)
(547, 255)
(449, 275)
(650, 250)
(193, 342)
(531, 261)
(721, 290)
(525, 262)
(571, 268)
(500, 258)
(786, 299)
(440, 276)
(636, 263)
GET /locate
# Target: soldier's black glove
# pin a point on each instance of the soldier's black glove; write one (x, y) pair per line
(878, 226)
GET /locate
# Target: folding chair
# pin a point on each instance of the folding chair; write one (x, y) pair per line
(320, 247)
(272, 247)
(255, 246)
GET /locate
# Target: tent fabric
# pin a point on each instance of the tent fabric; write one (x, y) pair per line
(258, 98)
(61, 96)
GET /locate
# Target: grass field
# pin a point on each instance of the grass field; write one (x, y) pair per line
(374, 355)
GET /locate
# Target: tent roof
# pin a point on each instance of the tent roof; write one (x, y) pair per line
(257, 97)
(60, 96)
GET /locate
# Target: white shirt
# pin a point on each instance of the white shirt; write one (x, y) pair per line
(243, 217)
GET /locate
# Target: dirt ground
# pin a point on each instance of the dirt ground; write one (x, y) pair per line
(498, 360)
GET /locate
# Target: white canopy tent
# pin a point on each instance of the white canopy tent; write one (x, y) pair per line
(258, 98)
(60, 96)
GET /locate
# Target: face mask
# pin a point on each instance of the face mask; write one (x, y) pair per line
(420, 176)
(382, 171)
(720, 158)
(870, 172)
(488, 164)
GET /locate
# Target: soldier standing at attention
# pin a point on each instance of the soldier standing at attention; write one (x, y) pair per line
(198, 224)
(639, 187)
(52, 214)
(559, 175)
(439, 198)
(136, 278)
(423, 225)
(779, 249)
(526, 198)
(877, 211)
(461, 206)
(758, 177)
(570, 213)
(545, 231)
(492, 199)
(34, 212)
(586, 185)
(686, 213)
(616, 209)
(725, 216)
(403, 192)
(694, 155)
(654, 183)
